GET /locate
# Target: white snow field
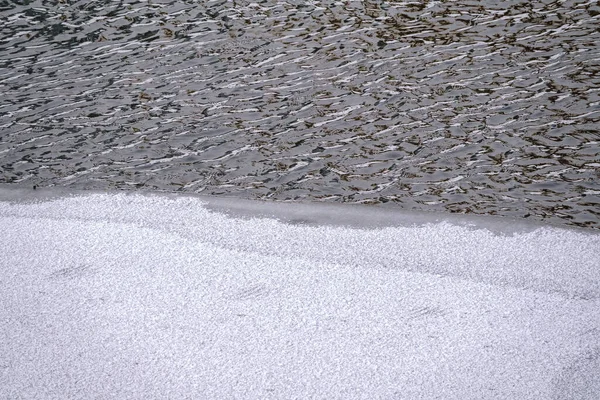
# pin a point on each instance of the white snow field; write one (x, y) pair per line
(116, 296)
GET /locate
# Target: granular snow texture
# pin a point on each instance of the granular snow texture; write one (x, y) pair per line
(131, 296)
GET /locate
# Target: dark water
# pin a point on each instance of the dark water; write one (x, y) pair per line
(464, 106)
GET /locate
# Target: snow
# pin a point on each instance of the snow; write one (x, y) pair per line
(161, 296)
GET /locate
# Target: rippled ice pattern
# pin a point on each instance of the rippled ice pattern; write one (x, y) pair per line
(465, 106)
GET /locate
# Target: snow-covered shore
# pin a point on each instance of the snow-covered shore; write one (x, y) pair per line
(132, 296)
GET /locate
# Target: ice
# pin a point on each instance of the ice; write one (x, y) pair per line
(162, 296)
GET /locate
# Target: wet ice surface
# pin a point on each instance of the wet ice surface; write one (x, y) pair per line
(460, 106)
(156, 296)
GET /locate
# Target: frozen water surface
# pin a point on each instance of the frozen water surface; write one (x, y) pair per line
(132, 296)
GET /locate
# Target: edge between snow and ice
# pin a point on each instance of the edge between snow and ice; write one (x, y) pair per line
(491, 250)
